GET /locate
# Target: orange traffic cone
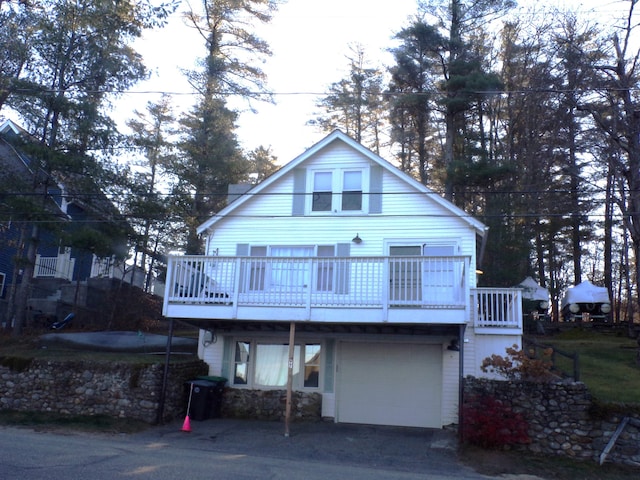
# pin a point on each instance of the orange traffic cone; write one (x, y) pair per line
(186, 425)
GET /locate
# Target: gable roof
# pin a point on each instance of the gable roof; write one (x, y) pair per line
(339, 136)
(19, 169)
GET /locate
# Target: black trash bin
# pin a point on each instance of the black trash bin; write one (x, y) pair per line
(216, 393)
(206, 397)
(201, 399)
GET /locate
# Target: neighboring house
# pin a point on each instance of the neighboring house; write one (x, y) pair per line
(375, 272)
(72, 200)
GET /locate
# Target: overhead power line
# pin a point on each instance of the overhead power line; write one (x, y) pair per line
(125, 195)
(37, 92)
(126, 218)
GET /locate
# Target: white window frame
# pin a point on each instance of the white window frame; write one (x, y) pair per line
(3, 278)
(344, 191)
(338, 189)
(314, 192)
(299, 363)
(426, 274)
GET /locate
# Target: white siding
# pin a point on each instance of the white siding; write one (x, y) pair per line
(480, 347)
(212, 355)
(407, 215)
(450, 382)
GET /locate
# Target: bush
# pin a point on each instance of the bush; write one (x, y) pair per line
(517, 365)
(489, 423)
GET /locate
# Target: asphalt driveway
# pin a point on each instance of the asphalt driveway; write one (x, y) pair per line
(429, 451)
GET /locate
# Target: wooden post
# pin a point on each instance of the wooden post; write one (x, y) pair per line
(287, 414)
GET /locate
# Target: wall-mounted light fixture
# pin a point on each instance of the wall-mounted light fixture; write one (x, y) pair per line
(454, 345)
(356, 239)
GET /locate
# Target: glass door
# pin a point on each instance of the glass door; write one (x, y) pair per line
(405, 275)
(438, 279)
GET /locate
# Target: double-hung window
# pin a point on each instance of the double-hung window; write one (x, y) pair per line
(322, 192)
(337, 191)
(352, 190)
(267, 366)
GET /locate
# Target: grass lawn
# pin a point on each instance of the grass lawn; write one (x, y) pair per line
(607, 363)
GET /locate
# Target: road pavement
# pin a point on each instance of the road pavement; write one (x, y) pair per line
(234, 449)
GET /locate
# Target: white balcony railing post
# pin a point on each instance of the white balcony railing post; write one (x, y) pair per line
(169, 285)
(386, 291)
(309, 286)
(359, 282)
(241, 265)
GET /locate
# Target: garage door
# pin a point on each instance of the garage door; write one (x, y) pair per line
(390, 384)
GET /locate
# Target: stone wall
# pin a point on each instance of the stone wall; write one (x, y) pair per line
(562, 419)
(114, 389)
(270, 404)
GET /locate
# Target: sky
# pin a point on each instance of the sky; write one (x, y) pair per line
(310, 42)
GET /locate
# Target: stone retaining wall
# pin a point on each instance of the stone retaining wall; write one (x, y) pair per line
(270, 404)
(115, 389)
(562, 420)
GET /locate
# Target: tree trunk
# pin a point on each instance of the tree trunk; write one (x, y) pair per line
(22, 295)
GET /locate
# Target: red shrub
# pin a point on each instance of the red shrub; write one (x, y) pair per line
(489, 423)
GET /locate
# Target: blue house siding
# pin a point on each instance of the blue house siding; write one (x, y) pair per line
(8, 249)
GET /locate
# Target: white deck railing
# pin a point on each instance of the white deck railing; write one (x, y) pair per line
(46, 267)
(498, 308)
(54, 267)
(436, 282)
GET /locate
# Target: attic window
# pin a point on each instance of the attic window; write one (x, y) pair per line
(322, 192)
(352, 190)
(338, 191)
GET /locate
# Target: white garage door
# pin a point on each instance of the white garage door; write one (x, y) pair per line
(390, 384)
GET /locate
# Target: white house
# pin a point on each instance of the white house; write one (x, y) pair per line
(371, 273)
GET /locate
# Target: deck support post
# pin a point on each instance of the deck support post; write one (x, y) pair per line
(287, 414)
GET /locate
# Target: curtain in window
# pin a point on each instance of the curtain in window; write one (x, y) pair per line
(291, 274)
(272, 362)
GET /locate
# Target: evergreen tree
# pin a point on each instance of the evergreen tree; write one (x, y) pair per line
(412, 92)
(354, 104)
(262, 163)
(77, 54)
(615, 112)
(211, 157)
(148, 207)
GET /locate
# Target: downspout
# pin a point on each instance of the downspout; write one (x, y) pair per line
(483, 245)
